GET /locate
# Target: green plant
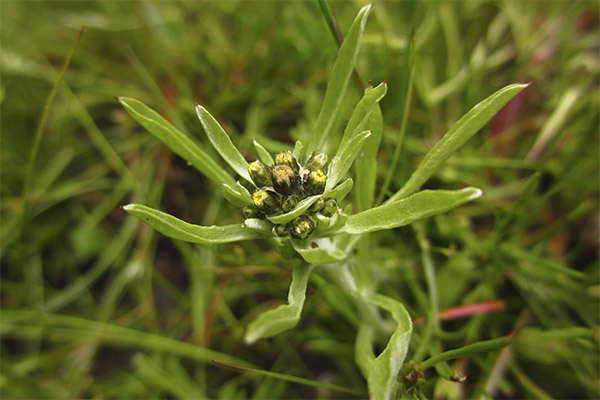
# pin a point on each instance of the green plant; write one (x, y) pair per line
(335, 239)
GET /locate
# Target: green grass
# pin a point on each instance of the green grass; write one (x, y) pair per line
(95, 303)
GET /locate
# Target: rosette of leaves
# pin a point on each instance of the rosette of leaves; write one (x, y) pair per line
(294, 202)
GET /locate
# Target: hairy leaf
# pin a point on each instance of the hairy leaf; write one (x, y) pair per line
(284, 317)
(318, 251)
(341, 190)
(236, 196)
(402, 212)
(223, 144)
(175, 228)
(457, 136)
(300, 208)
(263, 154)
(340, 76)
(363, 111)
(176, 140)
(344, 158)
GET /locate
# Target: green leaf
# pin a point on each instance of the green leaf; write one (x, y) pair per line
(457, 136)
(344, 158)
(237, 197)
(263, 154)
(366, 163)
(297, 152)
(324, 252)
(259, 225)
(383, 370)
(402, 212)
(222, 143)
(341, 190)
(176, 140)
(363, 111)
(328, 226)
(175, 228)
(340, 76)
(284, 317)
(300, 208)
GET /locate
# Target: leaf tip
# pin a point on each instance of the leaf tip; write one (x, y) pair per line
(126, 207)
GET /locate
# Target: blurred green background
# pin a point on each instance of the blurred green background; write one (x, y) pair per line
(76, 269)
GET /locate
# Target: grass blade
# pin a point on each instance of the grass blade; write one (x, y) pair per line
(340, 76)
(457, 136)
(223, 144)
(284, 317)
(291, 378)
(176, 140)
(175, 228)
(420, 205)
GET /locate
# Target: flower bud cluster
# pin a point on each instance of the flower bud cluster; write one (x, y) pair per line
(281, 186)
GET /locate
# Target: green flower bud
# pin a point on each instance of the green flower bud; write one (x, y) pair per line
(316, 161)
(250, 212)
(260, 173)
(317, 205)
(288, 203)
(286, 158)
(329, 208)
(285, 180)
(267, 201)
(281, 230)
(315, 182)
(301, 227)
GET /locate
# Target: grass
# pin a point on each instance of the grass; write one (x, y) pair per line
(97, 304)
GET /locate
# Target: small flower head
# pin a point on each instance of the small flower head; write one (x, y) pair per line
(317, 205)
(329, 208)
(250, 212)
(315, 182)
(281, 230)
(286, 158)
(267, 201)
(288, 204)
(301, 227)
(260, 173)
(285, 180)
(316, 161)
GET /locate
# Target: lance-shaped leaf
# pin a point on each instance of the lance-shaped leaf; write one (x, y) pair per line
(263, 154)
(363, 111)
(176, 140)
(382, 371)
(366, 163)
(344, 158)
(175, 228)
(222, 143)
(402, 212)
(300, 208)
(341, 190)
(318, 251)
(340, 76)
(284, 317)
(457, 136)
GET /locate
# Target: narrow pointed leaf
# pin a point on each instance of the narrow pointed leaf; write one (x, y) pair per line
(176, 140)
(263, 154)
(363, 111)
(236, 197)
(300, 208)
(383, 372)
(284, 317)
(259, 225)
(402, 212)
(175, 228)
(340, 76)
(341, 190)
(324, 253)
(344, 158)
(366, 163)
(222, 143)
(457, 136)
